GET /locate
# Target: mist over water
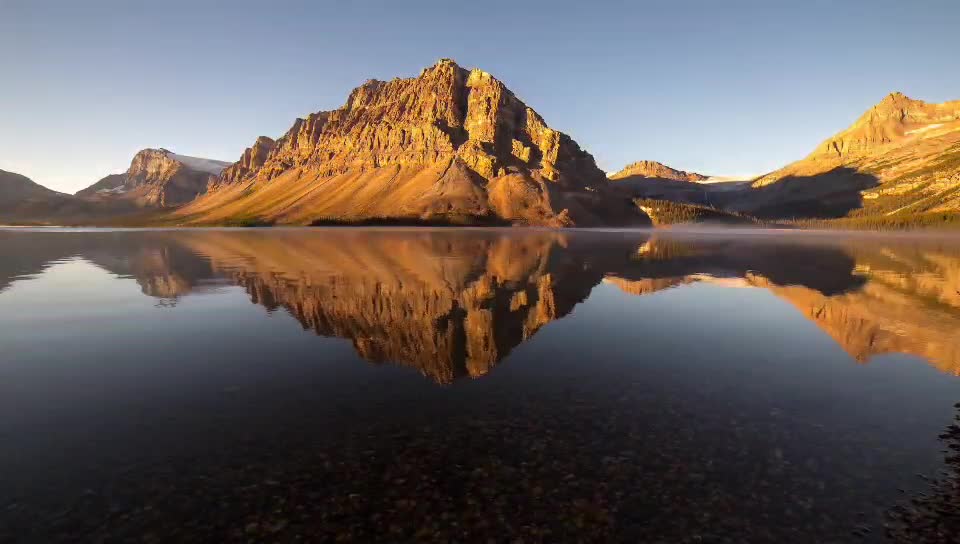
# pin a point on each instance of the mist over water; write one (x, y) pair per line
(471, 384)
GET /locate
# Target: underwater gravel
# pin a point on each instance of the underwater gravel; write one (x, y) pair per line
(636, 467)
(933, 515)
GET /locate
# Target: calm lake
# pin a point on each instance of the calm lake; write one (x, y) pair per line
(460, 385)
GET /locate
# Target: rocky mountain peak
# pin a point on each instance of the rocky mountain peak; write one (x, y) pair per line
(158, 178)
(443, 139)
(252, 160)
(447, 112)
(896, 97)
(894, 118)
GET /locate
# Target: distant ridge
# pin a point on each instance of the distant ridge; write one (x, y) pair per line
(656, 170)
(22, 200)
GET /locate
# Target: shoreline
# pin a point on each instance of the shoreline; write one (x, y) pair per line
(670, 230)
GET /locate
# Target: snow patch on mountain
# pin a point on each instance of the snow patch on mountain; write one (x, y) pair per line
(209, 166)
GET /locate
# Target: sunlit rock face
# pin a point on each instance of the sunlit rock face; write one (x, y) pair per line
(450, 144)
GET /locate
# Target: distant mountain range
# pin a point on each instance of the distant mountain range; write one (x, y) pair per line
(455, 146)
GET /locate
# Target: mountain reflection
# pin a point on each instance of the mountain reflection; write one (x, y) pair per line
(447, 304)
(871, 298)
(454, 303)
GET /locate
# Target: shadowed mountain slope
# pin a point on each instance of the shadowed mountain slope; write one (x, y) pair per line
(24, 201)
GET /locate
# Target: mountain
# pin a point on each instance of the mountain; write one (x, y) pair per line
(900, 157)
(157, 178)
(16, 189)
(656, 170)
(450, 145)
(24, 201)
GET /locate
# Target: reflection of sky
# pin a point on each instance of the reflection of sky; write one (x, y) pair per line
(70, 290)
(746, 347)
(76, 290)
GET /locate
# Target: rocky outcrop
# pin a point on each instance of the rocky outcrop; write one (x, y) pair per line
(252, 160)
(656, 170)
(157, 178)
(450, 144)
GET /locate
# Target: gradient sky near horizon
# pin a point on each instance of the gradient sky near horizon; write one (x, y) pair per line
(723, 88)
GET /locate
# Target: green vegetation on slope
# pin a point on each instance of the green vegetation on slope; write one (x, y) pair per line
(907, 221)
(666, 212)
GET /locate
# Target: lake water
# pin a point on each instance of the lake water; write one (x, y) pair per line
(275, 385)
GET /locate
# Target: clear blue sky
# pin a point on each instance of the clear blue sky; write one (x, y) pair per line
(720, 87)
